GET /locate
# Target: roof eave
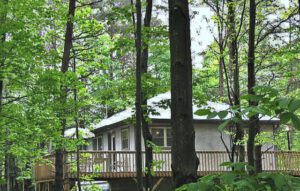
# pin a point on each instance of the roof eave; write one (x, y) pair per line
(154, 120)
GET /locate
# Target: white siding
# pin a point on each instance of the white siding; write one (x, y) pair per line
(207, 138)
(105, 141)
(132, 138)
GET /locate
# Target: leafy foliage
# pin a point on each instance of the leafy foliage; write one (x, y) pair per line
(239, 180)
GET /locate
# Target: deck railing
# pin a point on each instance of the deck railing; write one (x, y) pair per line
(115, 164)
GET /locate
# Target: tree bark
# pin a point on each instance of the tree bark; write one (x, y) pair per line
(221, 41)
(138, 103)
(254, 152)
(237, 149)
(184, 159)
(77, 129)
(1, 94)
(144, 95)
(221, 74)
(59, 153)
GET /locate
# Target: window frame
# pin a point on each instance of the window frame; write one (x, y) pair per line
(96, 139)
(165, 136)
(128, 138)
(95, 144)
(100, 137)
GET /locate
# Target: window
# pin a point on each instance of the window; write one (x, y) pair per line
(100, 143)
(125, 138)
(83, 147)
(97, 143)
(162, 136)
(158, 136)
(169, 137)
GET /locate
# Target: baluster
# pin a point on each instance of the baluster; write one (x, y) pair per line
(218, 161)
(170, 161)
(204, 162)
(128, 168)
(165, 161)
(208, 161)
(214, 160)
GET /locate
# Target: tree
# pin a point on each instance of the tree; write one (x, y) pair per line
(144, 70)
(221, 39)
(14, 75)
(228, 33)
(76, 120)
(2, 40)
(253, 151)
(184, 159)
(233, 59)
(138, 103)
(59, 153)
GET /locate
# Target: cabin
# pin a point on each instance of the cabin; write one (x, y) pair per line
(110, 153)
(117, 134)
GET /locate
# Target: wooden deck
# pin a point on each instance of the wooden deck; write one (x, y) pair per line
(121, 164)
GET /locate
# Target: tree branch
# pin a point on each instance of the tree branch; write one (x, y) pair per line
(87, 4)
(274, 27)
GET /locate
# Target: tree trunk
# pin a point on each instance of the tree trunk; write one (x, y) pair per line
(77, 130)
(144, 95)
(1, 84)
(59, 153)
(220, 42)
(233, 60)
(221, 72)
(184, 159)
(254, 152)
(138, 125)
(1, 94)
(11, 172)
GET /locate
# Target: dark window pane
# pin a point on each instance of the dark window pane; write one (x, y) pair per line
(158, 141)
(169, 137)
(125, 139)
(100, 143)
(94, 144)
(83, 147)
(158, 136)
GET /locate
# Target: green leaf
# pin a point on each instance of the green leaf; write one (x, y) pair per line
(203, 112)
(244, 185)
(250, 97)
(266, 89)
(222, 114)
(284, 102)
(199, 186)
(212, 115)
(285, 118)
(260, 111)
(256, 110)
(294, 105)
(224, 125)
(228, 178)
(278, 180)
(296, 121)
